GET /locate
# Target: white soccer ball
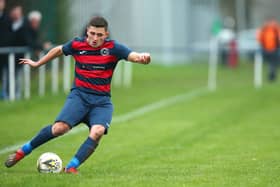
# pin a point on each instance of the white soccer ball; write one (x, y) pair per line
(49, 163)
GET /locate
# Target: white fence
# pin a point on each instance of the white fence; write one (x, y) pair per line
(41, 74)
(122, 75)
(213, 65)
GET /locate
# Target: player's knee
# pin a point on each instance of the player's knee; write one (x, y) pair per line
(96, 132)
(60, 128)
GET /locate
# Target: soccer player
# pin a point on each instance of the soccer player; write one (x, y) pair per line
(89, 100)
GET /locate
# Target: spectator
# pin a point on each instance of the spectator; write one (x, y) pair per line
(20, 39)
(34, 40)
(268, 37)
(5, 40)
(226, 37)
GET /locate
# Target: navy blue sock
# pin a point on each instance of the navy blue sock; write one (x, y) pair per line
(86, 149)
(42, 137)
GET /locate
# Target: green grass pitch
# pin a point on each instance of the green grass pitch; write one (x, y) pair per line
(223, 138)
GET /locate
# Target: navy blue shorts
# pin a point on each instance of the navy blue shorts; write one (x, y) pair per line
(91, 109)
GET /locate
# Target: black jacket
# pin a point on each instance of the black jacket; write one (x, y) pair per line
(5, 30)
(20, 38)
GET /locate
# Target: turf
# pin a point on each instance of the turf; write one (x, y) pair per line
(223, 138)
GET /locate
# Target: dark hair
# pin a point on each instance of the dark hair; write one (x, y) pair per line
(98, 21)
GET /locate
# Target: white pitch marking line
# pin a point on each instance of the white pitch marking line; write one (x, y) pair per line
(131, 115)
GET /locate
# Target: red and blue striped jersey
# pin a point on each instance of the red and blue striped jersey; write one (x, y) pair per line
(94, 67)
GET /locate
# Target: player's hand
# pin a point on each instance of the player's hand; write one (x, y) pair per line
(29, 62)
(145, 58)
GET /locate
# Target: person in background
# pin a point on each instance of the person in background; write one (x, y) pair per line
(20, 39)
(34, 38)
(226, 37)
(5, 41)
(268, 37)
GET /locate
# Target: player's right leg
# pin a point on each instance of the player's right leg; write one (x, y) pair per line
(46, 134)
(72, 113)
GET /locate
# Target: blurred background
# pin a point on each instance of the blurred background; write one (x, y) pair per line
(171, 30)
(174, 32)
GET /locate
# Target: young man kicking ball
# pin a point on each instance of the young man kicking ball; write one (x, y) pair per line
(89, 100)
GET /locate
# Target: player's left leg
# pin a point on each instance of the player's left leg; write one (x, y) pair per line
(99, 119)
(86, 149)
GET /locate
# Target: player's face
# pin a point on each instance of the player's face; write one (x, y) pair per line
(96, 36)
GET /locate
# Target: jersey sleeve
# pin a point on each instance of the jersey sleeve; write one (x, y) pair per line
(122, 51)
(67, 48)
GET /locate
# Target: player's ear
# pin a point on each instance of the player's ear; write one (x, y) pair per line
(86, 31)
(107, 34)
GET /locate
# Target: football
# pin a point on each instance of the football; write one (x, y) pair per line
(49, 163)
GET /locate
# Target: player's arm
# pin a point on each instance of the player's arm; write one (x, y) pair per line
(141, 58)
(53, 53)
